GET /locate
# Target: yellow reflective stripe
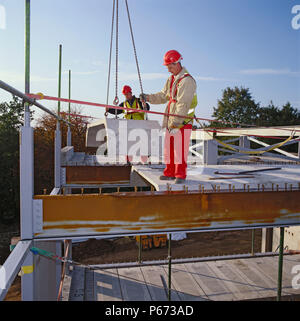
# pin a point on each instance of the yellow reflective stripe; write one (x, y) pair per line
(27, 269)
(135, 105)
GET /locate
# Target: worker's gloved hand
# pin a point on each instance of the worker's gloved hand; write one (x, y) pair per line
(143, 97)
(173, 131)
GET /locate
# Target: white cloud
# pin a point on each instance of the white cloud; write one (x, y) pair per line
(17, 77)
(203, 78)
(82, 73)
(145, 76)
(99, 63)
(269, 71)
(154, 76)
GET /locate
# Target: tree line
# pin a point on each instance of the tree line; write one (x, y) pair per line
(237, 107)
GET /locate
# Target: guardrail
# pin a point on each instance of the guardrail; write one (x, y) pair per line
(208, 147)
(12, 265)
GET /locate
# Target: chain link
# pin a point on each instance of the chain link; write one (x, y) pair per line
(134, 48)
(110, 54)
(116, 100)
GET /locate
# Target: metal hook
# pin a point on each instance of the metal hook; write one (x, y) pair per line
(116, 101)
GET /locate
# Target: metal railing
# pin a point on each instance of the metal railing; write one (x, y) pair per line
(30, 101)
(208, 149)
(12, 265)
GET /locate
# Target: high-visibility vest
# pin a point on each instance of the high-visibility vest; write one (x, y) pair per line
(132, 114)
(191, 111)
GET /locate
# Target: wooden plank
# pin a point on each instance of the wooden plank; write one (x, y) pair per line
(211, 284)
(235, 283)
(185, 285)
(249, 278)
(165, 278)
(263, 285)
(271, 284)
(89, 285)
(156, 282)
(133, 285)
(66, 288)
(77, 284)
(289, 261)
(287, 276)
(107, 285)
(270, 271)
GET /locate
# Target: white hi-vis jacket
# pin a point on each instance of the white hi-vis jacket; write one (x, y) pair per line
(180, 93)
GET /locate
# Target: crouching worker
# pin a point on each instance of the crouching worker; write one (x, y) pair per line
(130, 102)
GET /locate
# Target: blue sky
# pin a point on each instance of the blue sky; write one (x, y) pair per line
(249, 43)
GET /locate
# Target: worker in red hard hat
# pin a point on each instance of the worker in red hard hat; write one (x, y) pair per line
(179, 93)
(130, 102)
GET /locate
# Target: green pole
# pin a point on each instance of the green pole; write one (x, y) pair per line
(69, 93)
(140, 249)
(27, 60)
(280, 263)
(170, 270)
(252, 242)
(59, 79)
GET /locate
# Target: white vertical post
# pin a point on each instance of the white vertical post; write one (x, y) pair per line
(69, 137)
(57, 157)
(244, 142)
(27, 174)
(210, 150)
(26, 197)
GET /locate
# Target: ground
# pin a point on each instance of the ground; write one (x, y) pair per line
(126, 250)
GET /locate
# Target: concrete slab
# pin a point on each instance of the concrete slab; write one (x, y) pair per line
(287, 177)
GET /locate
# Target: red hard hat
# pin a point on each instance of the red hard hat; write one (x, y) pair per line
(172, 56)
(126, 90)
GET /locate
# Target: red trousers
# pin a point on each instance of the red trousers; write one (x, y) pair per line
(176, 150)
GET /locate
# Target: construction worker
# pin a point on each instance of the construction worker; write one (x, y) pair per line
(130, 102)
(180, 94)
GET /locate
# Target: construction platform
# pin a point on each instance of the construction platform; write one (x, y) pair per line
(259, 176)
(212, 280)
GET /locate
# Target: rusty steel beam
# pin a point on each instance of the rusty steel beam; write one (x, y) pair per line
(97, 174)
(148, 212)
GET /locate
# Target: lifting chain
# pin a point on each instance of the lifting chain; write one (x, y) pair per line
(135, 55)
(116, 12)
(110, 52)
(116, 100)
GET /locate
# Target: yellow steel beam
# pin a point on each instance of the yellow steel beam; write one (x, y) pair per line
(162, 211)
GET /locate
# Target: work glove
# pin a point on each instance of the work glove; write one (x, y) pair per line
(173, 131)
(143, 97)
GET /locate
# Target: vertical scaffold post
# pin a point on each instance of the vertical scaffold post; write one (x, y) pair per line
(57, 147)
(280, 263)
(252, 241)
(170, 268)
(69, 137)
(26, 173)
(140, 249)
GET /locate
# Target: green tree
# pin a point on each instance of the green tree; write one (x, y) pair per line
(268, 116)
(237, 107)
(274, 116)
(11, 118)
(44, 146)
(289, 115)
